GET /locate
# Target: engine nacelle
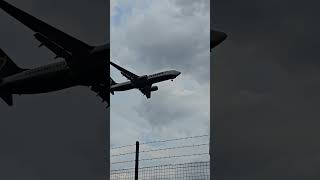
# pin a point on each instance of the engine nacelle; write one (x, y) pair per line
(154, 88)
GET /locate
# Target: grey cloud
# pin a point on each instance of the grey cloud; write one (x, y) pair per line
(190, 7)
(167, 35)
(163, 110)
(161, 38)
(180, 48)
(162, 41)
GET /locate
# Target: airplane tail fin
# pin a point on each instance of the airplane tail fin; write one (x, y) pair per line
(7, 66)
(112, 82)
(216, 37)
(7, 98)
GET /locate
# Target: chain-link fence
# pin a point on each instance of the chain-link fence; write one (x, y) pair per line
(186, 171)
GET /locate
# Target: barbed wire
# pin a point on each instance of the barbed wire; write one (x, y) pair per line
(164, 157)
(163, 149)
(161, 141)
(177, 139)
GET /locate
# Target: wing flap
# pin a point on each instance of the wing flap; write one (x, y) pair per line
(127, 76)
(146, 91)
(58, 50)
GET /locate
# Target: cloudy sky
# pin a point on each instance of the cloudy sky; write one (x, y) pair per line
(149, 36)
(266, 90)
(57, 135)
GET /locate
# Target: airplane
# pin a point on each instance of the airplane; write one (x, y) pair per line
(143, 83)
(82, 65)
(216, 37)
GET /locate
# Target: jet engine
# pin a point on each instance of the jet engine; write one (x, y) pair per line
(154, 88)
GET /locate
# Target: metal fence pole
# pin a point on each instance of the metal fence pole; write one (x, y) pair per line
(136, 173)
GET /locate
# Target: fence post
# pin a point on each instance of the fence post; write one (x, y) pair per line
(136, 173)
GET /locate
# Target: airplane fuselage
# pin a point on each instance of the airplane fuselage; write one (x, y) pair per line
(59, 75)
(43, 79)
(145, 81)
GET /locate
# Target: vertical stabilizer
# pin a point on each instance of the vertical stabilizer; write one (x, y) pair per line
(7, 66)
(112, 82)
(7, 98)
(216, 37)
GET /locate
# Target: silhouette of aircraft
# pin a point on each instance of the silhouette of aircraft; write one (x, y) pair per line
(143, 83)
(216, 37)
(83, 65)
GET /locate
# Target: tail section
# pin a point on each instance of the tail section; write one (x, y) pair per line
(216, 37)
(7, 66)
(7, 98)
(112, 82)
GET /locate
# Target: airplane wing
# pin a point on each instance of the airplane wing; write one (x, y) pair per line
(146, 91)
(54, 39)
(129, 75)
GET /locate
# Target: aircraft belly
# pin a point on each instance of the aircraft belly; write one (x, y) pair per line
(158, 79)
(123, 87)
(42, 84)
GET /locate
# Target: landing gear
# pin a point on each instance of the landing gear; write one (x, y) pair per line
(172, 80)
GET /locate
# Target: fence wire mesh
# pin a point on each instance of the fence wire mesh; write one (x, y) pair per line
(181, 158)
(186, 171)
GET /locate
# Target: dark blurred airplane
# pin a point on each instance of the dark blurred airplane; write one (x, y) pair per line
(83, 64)
(216, 37)
(143, 83)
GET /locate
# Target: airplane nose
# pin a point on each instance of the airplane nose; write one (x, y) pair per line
(216, 37)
